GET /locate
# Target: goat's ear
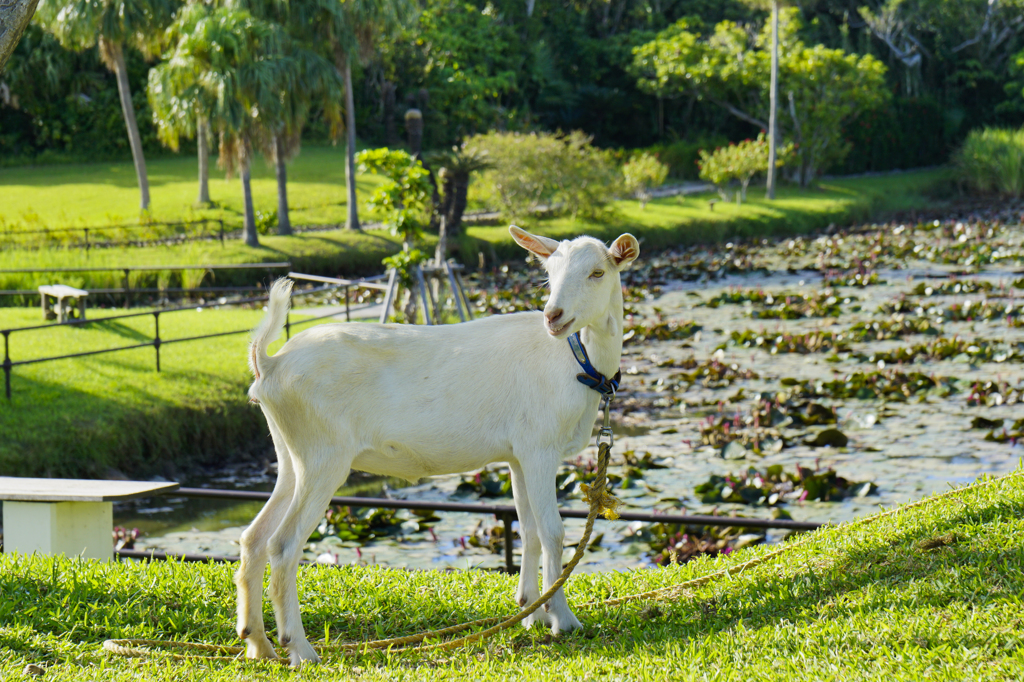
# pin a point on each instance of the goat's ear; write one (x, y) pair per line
(541, 247)
(624, 250)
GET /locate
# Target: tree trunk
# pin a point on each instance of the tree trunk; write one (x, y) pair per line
(14, 18)
(128, 109)
(441, 253)
(203, 144)
(284, 223)
(460, 198)
(352, 222)
(773, 97)
(252, 238)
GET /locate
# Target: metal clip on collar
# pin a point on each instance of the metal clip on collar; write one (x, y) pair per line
(606, 430)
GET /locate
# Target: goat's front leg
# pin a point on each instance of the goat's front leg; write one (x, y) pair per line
(249, 577)
(313, 489)
(527, 592)
(540, 486)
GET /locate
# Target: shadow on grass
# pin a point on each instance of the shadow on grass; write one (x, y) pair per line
(53, 430)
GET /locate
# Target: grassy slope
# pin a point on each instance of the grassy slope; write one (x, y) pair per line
(79, 417)
(96, 194)
(931, 593)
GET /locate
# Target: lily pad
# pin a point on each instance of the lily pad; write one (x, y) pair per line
(832, 438)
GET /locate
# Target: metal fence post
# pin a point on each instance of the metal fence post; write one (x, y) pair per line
(348, 318)
(287, 326)
(510, 566)
(7, 364)
(221, 232)
(156, 338)
(86, 230)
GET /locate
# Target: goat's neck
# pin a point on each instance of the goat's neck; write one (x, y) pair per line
(603, 337)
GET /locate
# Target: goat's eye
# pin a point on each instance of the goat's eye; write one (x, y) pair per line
(597, 274)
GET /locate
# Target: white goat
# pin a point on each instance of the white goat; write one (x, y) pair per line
(415, 401)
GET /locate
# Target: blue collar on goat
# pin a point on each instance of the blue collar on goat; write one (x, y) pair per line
(592, 378)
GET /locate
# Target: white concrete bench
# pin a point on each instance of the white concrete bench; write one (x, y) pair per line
(58, 309)
(66, 516)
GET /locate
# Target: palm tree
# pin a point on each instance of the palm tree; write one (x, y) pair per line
(112, 25)
(230, 67)
(314, 81)
(180, 105)
(14, 19)
(347, 31)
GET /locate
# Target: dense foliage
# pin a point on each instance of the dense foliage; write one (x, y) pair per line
(543, 170)
(991, 161)
(473, 66)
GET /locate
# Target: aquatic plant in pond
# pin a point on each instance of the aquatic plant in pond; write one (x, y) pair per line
(775, 486)
(955, 348)
(811, 342)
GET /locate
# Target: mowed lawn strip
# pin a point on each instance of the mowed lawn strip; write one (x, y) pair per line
(83, 416)
(933, 592)
(671, 221)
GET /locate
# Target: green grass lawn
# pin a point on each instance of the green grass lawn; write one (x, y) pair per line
(79, 417)
(665, 222)
(932, 593)
(97, 194)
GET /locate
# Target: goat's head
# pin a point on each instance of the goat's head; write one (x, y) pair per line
(584, 277)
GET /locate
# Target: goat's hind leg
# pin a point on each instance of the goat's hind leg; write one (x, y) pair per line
(314, 485)
(254, 556)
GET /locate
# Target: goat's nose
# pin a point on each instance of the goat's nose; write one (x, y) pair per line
(552, 316)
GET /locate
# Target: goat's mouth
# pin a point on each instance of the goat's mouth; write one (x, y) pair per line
(559, 331)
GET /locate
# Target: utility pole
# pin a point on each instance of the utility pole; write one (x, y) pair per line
(773, 104)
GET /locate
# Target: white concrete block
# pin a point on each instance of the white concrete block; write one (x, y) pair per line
(70, 528)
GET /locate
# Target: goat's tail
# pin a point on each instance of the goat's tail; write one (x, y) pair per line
(270, 328)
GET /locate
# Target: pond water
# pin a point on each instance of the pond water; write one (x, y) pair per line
(907, 373)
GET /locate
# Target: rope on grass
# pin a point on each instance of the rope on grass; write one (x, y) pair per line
(601, 501)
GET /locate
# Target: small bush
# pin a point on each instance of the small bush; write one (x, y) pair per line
(739, 162)
(643, 173)
(535, 169)
(991, 161)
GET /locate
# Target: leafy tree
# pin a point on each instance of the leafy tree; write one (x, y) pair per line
(741, 162)
(641, 174)
(231, 67)
(466, 59)
(824, 87)
(112, 25)
(403, 199)
(529, 170)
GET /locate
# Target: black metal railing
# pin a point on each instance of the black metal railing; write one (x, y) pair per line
(157, 342)
(502, 512)
(93, 237)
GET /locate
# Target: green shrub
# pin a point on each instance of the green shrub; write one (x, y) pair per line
(739, 162)
(641, 174)
(530, 170)
(991, 161)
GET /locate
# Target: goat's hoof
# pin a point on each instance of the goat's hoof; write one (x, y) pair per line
(301, 653)
(565, 625)
(258, 646)
(538, 617)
